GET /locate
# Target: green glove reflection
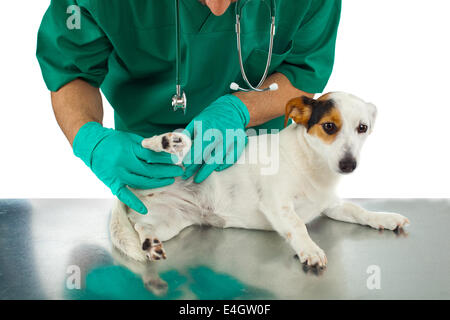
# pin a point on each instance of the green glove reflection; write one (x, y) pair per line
(218, 137)
(119, 161)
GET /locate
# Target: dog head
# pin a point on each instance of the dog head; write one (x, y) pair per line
(337, 124)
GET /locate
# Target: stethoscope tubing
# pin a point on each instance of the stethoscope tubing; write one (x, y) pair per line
(241, 62)
(257, 88)
(179, 100)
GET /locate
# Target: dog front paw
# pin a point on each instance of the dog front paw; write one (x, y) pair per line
(390, 221)
(172, 142)
(312, 256)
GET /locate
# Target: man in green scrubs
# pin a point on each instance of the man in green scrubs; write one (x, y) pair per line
(127, 49)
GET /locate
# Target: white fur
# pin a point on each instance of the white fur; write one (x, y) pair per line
(240, 197)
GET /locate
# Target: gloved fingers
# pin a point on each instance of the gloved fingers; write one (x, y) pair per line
(213, 158)
(204, 172)
(193, 159)
(217, 161)
(198, 157)
(190, 170)
(150, 170)
(163, 170)
(151, 156)
(140, 182)
(135, 138)
(235, 149)
(224, 166)
(195, 154)
(129, 198)
(189, 157)
(214, 153)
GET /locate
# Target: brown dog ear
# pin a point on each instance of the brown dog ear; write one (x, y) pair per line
(299, 109)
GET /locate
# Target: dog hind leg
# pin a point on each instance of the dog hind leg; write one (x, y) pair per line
(141, 241)
(162, 223)
(123, 235)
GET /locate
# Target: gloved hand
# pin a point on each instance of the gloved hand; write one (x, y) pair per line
(216, 149)
(118, 160)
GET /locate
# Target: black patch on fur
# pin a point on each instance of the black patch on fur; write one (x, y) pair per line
(165, 142)
(318, 109)
(146, 245)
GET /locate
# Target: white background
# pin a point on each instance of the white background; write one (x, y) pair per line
(394, 53)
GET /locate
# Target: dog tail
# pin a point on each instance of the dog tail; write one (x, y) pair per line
(123, 235)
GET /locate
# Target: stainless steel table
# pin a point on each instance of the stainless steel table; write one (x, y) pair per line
(60, 249)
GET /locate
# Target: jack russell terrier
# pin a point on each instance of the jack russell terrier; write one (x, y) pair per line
(322, 143)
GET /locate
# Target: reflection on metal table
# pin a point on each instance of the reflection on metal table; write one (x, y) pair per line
(60, 249)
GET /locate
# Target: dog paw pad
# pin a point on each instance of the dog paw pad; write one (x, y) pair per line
(154, 249)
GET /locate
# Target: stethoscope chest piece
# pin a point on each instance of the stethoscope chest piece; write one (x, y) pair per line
(179, 101)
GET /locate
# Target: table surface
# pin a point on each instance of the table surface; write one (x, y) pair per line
(60, 249)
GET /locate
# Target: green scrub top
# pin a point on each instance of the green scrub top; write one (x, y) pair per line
(127, 48)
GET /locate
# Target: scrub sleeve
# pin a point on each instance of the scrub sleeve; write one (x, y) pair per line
(310, 62)
(67, 54)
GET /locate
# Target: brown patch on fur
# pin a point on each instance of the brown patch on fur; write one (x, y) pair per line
(298, 111)
(313, 114)
(333, 116)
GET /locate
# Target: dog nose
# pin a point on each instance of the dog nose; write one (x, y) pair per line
(347, 165)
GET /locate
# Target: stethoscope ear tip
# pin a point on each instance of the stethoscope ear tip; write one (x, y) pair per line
(273, 87)
(234, 86)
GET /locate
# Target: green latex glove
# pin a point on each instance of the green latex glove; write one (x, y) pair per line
(219, 148)
(118, 159)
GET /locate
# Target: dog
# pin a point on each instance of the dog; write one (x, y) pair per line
(322, 144)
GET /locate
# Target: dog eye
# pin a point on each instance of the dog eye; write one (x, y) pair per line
(362, 128)
(329, 127)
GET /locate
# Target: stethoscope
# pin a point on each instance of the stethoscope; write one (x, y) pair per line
(179, 100)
